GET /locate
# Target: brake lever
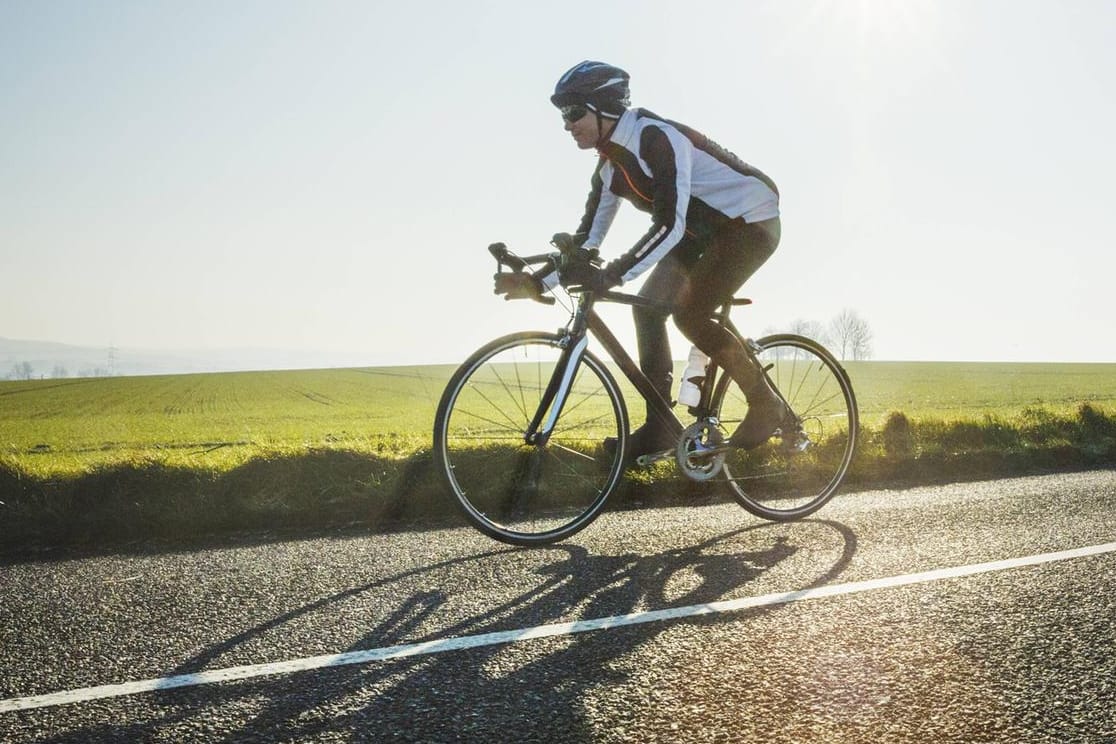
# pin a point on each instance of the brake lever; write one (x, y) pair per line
(504, 257)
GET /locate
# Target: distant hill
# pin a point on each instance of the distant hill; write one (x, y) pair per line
(50, 359)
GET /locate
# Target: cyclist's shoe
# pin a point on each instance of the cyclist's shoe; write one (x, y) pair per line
(767, 413)
(645, 440)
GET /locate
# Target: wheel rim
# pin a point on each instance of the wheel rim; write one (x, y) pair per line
(777, 480)
(520, 492)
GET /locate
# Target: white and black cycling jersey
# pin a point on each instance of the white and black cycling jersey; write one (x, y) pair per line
(687, 182)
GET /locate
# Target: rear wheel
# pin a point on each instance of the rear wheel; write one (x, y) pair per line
(799, 469)
(512, 490)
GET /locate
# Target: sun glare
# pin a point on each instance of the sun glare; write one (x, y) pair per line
(871, 39)
(894, 20)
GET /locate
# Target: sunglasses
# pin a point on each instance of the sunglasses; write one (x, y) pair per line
(574, 112)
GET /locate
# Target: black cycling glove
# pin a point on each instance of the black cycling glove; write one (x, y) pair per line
(517, 285)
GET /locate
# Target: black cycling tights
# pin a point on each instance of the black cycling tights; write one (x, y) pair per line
(696, 279)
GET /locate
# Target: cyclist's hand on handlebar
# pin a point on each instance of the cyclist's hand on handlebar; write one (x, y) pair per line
(589, 277)
(602, 281)
(575, 264)
(566, 242)
(517, 285)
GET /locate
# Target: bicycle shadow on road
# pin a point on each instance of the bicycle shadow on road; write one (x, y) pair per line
(534, 690)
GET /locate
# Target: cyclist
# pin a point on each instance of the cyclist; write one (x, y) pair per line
(714, 222)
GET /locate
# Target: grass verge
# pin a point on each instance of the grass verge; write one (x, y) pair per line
(295, 492)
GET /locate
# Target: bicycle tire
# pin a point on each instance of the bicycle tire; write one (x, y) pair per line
(511, 490)
(775, 481)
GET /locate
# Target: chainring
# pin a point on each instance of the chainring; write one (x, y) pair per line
(700, 453)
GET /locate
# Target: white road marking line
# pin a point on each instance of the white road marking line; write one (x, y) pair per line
(525, 634)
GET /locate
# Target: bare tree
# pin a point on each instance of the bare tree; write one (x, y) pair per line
(851, 335)
(22, 371)
(810, 329)
(59, 372)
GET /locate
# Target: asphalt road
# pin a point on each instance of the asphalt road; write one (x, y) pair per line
(797, 647)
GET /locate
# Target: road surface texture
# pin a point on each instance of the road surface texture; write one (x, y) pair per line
(982, 612)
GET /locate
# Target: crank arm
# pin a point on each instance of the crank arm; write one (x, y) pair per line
(647, 460)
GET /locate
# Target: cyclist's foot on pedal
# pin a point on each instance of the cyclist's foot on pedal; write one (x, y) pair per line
(767, 413)
(645, 440)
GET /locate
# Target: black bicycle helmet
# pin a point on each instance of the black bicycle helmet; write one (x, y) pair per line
(600, 87)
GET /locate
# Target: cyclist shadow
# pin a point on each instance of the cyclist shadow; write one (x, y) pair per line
(477, 693)
(469, 693)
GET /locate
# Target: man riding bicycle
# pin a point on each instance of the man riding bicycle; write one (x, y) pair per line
(714, 222)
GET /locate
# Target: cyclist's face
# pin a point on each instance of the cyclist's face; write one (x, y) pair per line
(585, 130)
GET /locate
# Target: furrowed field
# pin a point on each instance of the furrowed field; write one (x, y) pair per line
(352, 445)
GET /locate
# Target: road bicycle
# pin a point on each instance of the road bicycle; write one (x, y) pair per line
(520, 430)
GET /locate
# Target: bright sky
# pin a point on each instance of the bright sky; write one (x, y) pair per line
(326, 175)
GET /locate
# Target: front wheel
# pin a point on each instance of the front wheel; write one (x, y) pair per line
(529, 492)
(797, 471)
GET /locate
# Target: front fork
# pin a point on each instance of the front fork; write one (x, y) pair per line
(557, 391)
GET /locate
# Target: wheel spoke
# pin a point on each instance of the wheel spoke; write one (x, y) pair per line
(511, 490)
(778, 481)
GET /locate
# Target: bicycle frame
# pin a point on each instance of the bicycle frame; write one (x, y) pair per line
(560, 482)
(587, 321)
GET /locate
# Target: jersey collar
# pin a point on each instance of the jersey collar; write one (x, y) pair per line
(623, 132)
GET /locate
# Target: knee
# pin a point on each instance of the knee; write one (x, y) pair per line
(703, 332)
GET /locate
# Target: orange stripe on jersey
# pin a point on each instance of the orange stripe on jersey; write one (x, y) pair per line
(632, 185)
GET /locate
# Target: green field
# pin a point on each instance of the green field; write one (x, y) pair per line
(958, 391)
(117, 461)
(216, 422)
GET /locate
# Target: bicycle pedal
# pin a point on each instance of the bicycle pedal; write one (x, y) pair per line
(792, 438)
(797, 442)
